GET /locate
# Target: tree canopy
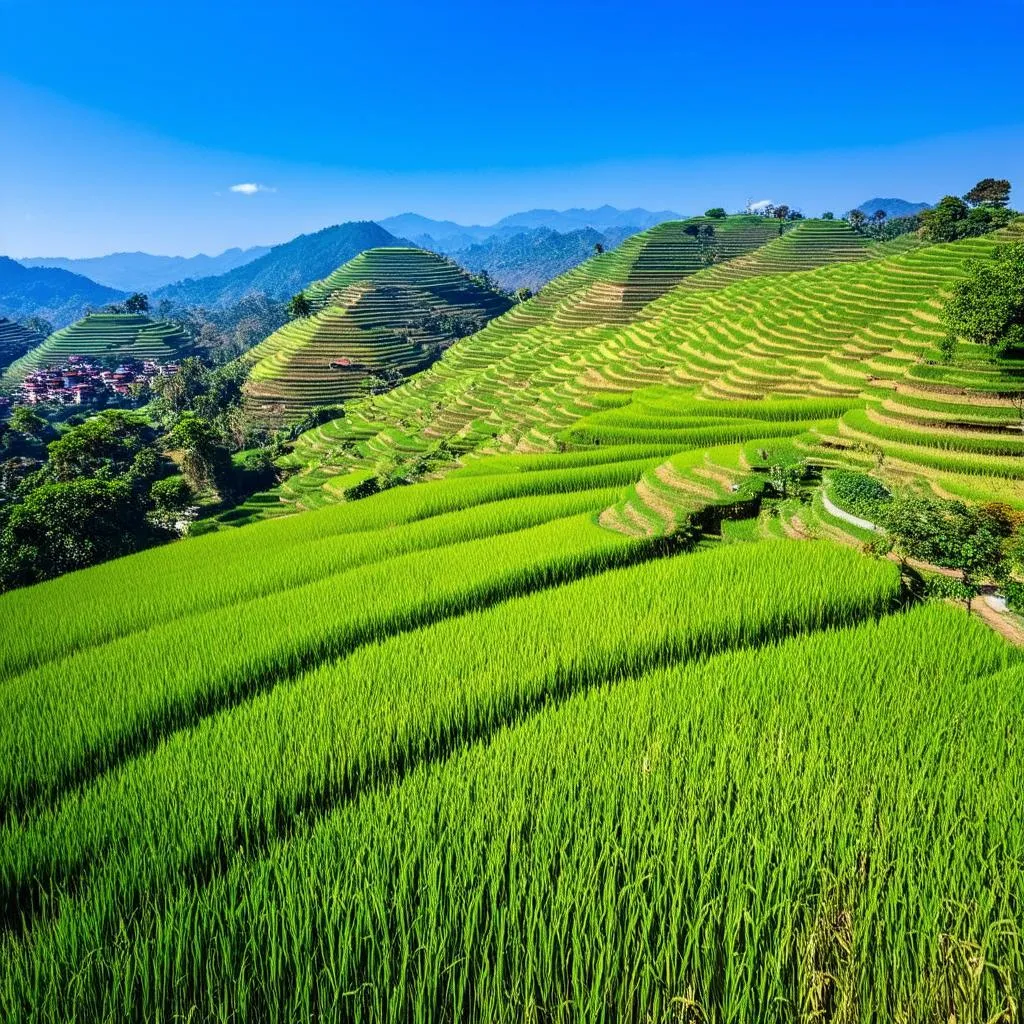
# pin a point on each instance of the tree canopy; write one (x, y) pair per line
(952, 534)
(987, 308)
(989, 192)
(952, 219)
(299, 306)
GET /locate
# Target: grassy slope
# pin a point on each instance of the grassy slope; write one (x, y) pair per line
(460, 751)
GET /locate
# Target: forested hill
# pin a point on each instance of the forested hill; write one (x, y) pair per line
(55, 295)
(286, 269)
(531, 258)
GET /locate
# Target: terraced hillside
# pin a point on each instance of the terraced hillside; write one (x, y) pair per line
(15, 341)
(105, 336)
(385, 310)
(582, 728)
(817, 313)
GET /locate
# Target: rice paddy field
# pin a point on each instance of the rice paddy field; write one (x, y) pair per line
(582, 725)
(385, 310)
(15, 341)
(103, 336)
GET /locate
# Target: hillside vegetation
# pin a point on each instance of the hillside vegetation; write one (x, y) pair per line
(531, 258)
(591, 722)
(284, 270)
(386, 313)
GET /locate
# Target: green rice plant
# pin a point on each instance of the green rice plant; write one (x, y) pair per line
(118, 598)
(772, 834)
(127, 694)
(943, 439)
(354, 723)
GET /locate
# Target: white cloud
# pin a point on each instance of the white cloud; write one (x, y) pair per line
(250, 188)
(761, 204)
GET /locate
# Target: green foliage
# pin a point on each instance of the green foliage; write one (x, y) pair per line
(299, 306)
(952, 219)
(103, 446)
(857, 492)
(205, 461)
(988, 307)
(25, 420)
(948, 533)
(716, 212)
(65, 526)
(171, 496)
(40, 325)
(990, 192)
(136, 303)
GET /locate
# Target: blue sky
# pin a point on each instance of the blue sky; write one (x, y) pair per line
(129, 123)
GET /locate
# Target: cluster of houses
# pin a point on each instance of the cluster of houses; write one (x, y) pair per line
(80, 381)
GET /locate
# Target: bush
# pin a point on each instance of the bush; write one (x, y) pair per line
(857, 492)
(1013, 591)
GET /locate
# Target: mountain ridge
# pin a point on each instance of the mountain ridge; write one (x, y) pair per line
(144, 272)
(59, 296)
(286, 269)
(892, 207)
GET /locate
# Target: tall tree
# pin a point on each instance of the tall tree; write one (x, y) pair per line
(137, 303)
(990, 192)
(946, 221)
(857, 219)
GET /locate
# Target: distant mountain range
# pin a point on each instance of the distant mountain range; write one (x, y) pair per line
(892, 207)
(53, 294)
(449, 237)
(285, 269)
(532, 258)
(143, 272)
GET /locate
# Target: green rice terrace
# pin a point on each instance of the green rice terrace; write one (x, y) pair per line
(385, 310)
(15, 341)
(107, 337)
(594, 720)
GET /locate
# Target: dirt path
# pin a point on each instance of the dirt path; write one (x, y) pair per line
(1003, 624)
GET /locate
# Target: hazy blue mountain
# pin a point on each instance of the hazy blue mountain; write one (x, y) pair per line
(532, 258)
(447, 236)
(143, 272)
(285, 269)
(53, 294)
(415, 227)
(892, 207)
(573, 220)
